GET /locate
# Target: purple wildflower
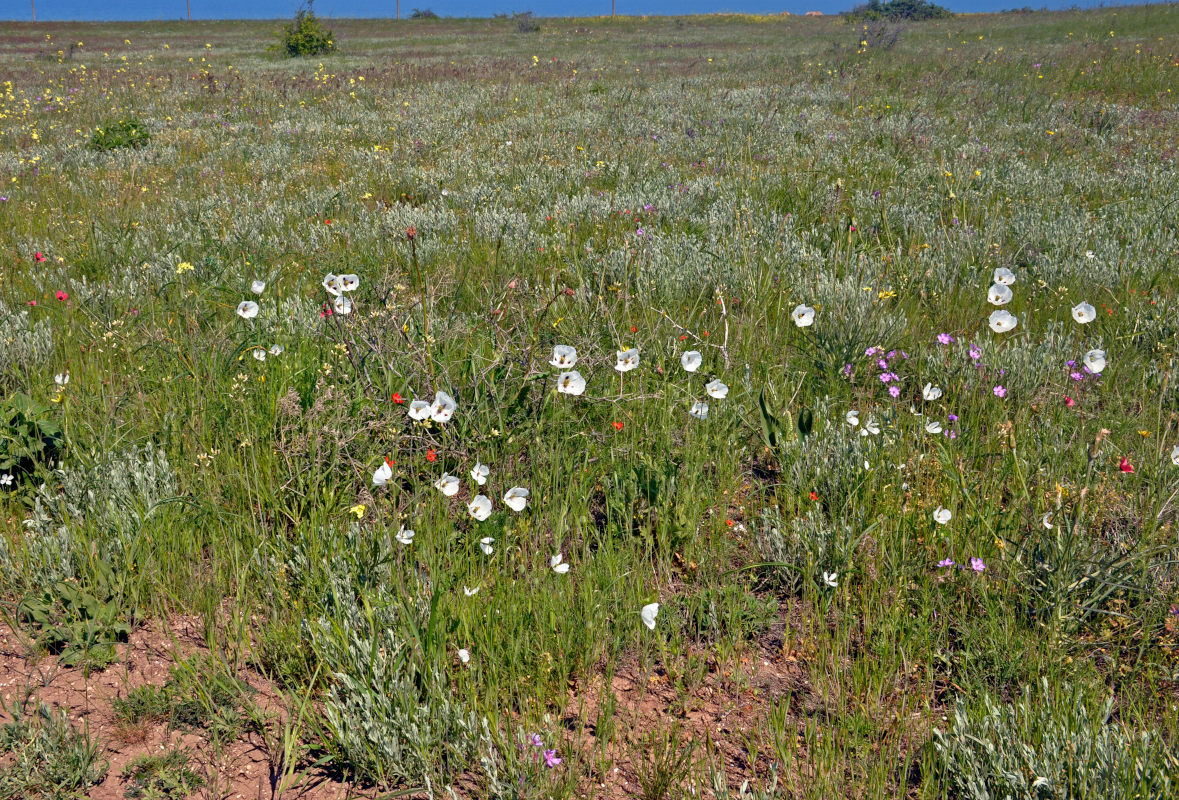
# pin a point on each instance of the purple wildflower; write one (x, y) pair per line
(895, 391)
(977, 564)
(550, 758)
(999, 391)
(945, 338)
(947, 562)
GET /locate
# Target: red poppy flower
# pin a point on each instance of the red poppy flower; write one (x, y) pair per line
(633, 329)
(431, 455)
(38, 256)
(62, 295)
(398, 399)
(814, 495)
(617, 425)
(1126, 466)
(1068, 401)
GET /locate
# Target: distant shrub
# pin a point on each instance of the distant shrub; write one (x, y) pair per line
(306, 35)
(526, 22)
(1050, 746)
(124, 133)
(914, 10)
(422, 13)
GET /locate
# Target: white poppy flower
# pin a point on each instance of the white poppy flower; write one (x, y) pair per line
(419, 410)
(558, 564)
(247, 309)
(259, 354)
(442, 409)
(342, 305)
(479, 473)
(1175, 455)
(485, 544)
(649, 612)
(913, 410)
(471, 592)
(570, 383)
(1004, 276)
(691, 361)
(332, 283)
(1046, 521)
(871, 426)
(1084, 313)
(933, 427)
(277, 349)
(699, 410)
(1002, 321)
(480, 507)
(383, 475)
(405, 535)
(852, 417)
(448, 484)
(61, 378)
(516, 498)
(831, 579)
(464, 655)
(999, 295)
(803, 316)
(1095, 360)
(931, 392)
(258, 287)
(627, 360)
(348, 283)
(716, 389)
(564, 356)
(941, 515)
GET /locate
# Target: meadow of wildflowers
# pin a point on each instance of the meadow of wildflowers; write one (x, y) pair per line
(717, 406)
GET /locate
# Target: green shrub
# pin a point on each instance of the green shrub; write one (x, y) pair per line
(422, 13)
(161, 777)
(306, 35)
(1049, 745)
(900, 10)
(29, 437)
(124, 133)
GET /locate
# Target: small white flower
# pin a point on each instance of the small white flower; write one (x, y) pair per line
(348, 283)
(570, 383)
(469, 592)
(485, 544)
(516, 498)
(1095, 360)
(941, 515)
(448, 484)
(480, 507)
(931, 392)
(442, 409)
(803, 316)
(1084, 313)
(405, 535)
(852, 417)
(558, 564)
(1046, 521)
(1090, 254)
(479, 473)
(564, 356)
(871, 426)
(332, 284)
(699, 410)
(649, 612)
(258, 287)
(1175, 455)
(342, 305)
(1004, 276)
(277, 349)
(933, 427)
(6, 479)
(419, 410)
(383, 474)
(691, 361)
(627, 360)
(831, 579)
(1002, 321)
(716, 389)
(999, 295)
(247, 309)
(61, 378)
(259, 354)
(913, 410)
(464, 655)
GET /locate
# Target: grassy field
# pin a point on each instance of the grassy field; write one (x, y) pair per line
(841, 531)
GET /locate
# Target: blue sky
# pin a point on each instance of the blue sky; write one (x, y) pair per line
(270, 9)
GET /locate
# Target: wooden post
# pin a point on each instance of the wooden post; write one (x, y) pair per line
(398, 9)
(612, 2)
(188, 5)
(34, 4)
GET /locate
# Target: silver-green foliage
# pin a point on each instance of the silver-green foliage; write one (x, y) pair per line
(1049, 745)
(23, 342)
